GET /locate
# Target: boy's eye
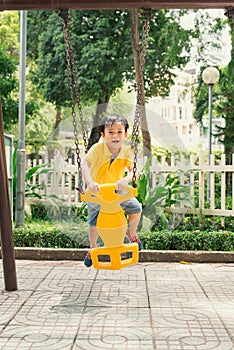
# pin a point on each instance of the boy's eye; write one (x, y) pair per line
(112, 132)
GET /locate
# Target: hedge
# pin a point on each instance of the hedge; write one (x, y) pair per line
(188, 240)
(76, 236)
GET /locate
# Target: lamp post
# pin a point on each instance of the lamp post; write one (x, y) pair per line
(20, 184)
(210, 76)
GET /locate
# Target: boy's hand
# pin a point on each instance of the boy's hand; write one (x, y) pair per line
(122, 184)
(94, 187)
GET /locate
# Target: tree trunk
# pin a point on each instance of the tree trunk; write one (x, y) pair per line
(96, 132)
(140, 79)
(55, 133)
(58, 119)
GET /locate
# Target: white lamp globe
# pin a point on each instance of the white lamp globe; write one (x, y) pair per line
(210, 75)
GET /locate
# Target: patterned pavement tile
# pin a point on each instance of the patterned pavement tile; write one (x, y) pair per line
(191, 339)
(162, 306)
(118, 293)
(74, 271)
(174, 270)
(186, 318)
(180, 298)
(50, 308)
(130, 338)
(227, 317)
(116, 317)
(213, 272)
(220, 293)
(174, 285)
(31, 272)
(37, 338)
(133, 273)
(10, 304)
(66, 281)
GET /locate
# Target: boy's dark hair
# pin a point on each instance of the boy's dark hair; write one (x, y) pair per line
(112, 119)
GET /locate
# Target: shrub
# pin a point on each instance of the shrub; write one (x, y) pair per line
(75, 235)
(47, 235)
(188, 240)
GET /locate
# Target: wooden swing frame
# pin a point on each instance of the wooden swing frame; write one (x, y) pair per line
(111, 5)
(5, 220)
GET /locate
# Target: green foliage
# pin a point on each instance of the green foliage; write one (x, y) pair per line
(166, 193)
(8, 84)
(188, 240)
(39, 212)
(9, 33)
(9, 60)
(44, 234)
(31, 190)
(65, 234)
(206, 223)
(103, 52)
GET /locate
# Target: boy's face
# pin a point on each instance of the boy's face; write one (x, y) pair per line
(114, 135)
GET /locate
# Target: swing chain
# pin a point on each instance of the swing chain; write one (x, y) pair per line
(73, 84)
(140, 86)
(64, 14)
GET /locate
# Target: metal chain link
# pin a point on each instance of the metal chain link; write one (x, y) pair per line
(73, 84)
(140, 85)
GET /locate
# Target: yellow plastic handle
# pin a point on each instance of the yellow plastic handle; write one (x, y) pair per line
(108, 195)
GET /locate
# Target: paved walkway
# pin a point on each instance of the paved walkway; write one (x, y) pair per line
(162, 306)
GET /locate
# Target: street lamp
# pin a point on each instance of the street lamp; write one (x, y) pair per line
(210, 76)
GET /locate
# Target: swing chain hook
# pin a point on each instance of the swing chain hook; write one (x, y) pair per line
(64, 14)
(147, 12)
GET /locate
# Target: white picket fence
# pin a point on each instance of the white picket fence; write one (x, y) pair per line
(63, 181)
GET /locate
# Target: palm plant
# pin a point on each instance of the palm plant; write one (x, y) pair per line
(167, 193)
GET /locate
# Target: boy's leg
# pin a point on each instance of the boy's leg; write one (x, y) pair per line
(133, 210)
(133, 224)
(93, 210)
(93, 236)
(131, 231)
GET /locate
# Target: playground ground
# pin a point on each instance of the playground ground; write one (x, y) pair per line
(163, 306)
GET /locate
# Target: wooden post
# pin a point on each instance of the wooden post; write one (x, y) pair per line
(7, 244)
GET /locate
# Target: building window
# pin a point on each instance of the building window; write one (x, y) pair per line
(180, 112)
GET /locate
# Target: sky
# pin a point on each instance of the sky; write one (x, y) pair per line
(224, 54)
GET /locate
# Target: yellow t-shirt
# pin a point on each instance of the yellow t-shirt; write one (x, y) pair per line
(102, 170)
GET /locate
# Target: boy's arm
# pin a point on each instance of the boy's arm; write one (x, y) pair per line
(93, 186)
(122, 183)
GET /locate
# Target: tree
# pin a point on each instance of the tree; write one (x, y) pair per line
(9, 57)
(104, 56)
(46, 47)
(96, 46)
(139, 78)
(8, 84)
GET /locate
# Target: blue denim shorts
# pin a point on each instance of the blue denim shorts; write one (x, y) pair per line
(131, 206)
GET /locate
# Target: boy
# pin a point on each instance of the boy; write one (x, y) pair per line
(106, 162)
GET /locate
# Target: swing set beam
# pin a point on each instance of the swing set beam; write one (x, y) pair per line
(111, 5)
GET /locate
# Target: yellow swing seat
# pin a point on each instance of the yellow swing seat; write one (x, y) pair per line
(112, 227)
